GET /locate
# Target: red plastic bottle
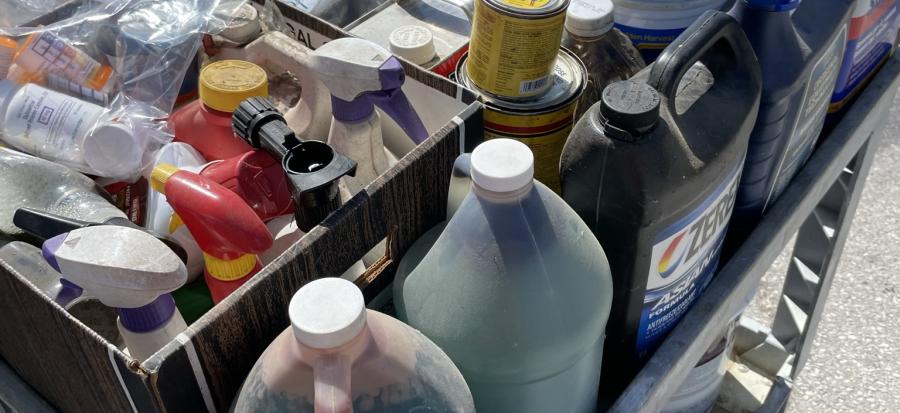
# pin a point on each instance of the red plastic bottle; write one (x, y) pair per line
(257, 178)
(227, 230)
(205, 123)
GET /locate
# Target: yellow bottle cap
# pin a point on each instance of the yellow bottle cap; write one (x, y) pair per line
(225, 84)
(160, 175)
(229, 270)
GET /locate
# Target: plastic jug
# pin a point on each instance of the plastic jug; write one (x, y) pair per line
(872, 38)
(656, 185)
(27, 181)
(653, 24)
(516, 290)
(205, 123)
(339, 357)
(800, 51)
(607, 53)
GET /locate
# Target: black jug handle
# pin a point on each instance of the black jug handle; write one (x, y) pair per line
(711, 32)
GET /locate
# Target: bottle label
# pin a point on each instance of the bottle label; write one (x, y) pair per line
(650, 42)
(811, 117)
(684, 257)
(870, 40)
(50, 54)
(47, 123)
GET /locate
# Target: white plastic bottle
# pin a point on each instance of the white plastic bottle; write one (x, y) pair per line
(67, 130)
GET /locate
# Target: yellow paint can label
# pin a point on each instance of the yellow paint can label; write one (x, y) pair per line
(526, 4)
(545, 134)
(513, 57)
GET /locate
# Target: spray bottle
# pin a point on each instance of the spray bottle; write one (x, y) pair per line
(361, 75)
(134, 274)
(228, 231)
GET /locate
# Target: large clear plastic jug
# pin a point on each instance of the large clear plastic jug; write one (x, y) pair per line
(516, 290)
(339, 357)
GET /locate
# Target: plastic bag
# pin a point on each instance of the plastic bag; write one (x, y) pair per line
(135, 51)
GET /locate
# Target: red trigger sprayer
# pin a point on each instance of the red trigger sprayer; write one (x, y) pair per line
(228, 231)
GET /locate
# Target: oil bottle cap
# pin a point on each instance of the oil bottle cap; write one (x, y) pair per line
(8, 49)
(230, 270)
(413, 43)
(773, 5)
(160, 175)
(502, 165)
(327, 313)
(630, 106)
(113, 150)
(224, 84)
(589, 18)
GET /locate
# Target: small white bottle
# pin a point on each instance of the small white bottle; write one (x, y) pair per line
(67, 130)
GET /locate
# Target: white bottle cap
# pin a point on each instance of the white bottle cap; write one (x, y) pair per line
(112, 150)
(244, 25)
(413, 43)
(589, 18)
(502, 165)
(327, 313)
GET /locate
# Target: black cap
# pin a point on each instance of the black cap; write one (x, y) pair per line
(630, 106)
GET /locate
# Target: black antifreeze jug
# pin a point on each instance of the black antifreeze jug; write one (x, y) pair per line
(800, 47)
(656, 185)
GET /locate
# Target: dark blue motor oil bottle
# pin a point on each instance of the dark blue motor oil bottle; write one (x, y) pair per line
(656, 180)
(800, 48)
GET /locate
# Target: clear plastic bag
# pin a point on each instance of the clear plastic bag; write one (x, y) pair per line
(137, 52)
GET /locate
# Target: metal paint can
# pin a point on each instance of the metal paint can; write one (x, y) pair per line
(514, 46)
(543, 123)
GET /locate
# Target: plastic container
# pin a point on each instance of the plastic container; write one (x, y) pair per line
(607, 53)
(653, 24)
(800, 47)
(134, 274)
(7, 52)
(339, 357)
(523, 307)
(228, 231)
(43, 53)
(68, 130)
(205, 124)
(872, 38)
(656, 185)
(27, 181)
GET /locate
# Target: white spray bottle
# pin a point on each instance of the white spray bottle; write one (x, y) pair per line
(129, 270)
(361, 75)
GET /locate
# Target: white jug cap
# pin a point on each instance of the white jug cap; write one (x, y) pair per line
(502, 165)
(413, 43)
(244, 24)
(327, 313)
(589, 18)
(112, 150)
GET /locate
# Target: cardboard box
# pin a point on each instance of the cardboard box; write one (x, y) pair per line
(79, 371)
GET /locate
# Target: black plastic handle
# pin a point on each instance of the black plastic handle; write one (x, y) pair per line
(714, 32)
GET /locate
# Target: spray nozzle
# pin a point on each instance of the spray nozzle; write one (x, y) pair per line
(312, 167)
(123, 267)
(361, 75)
(45, 225)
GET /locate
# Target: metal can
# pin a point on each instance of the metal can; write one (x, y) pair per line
(543, 123)
(514, 45)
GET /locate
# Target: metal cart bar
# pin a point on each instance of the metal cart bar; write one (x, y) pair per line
(818, 206)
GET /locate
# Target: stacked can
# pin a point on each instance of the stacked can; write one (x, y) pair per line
(530, 85)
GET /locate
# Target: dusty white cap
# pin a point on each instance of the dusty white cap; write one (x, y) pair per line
(502, 165)
(413, 43)
(327, 313)
(589, 18)
(112, 150)
(244, 25)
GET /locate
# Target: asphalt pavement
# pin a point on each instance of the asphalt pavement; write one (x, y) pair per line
(855, 364)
